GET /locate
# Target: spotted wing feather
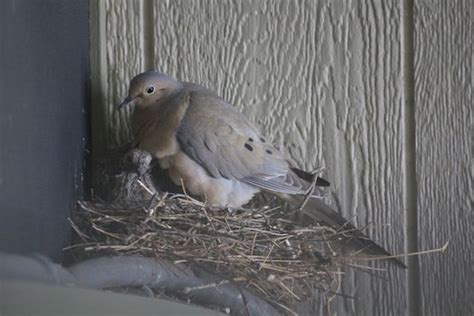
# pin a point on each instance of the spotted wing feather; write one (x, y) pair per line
(228, 146)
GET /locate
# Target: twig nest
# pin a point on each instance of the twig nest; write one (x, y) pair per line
(256, 248)
(262, 249)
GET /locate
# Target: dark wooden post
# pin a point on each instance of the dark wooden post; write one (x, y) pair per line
(44, 98)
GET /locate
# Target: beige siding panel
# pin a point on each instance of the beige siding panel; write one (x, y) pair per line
(365, 140)
(125, 58)
(323, 79)
(444, 121)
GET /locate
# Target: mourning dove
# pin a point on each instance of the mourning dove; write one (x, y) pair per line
(215, 152)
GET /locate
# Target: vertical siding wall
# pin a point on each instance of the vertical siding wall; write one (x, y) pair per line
(346, 85)
(444, 103)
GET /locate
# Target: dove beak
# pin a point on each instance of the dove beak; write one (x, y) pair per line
(128, 101)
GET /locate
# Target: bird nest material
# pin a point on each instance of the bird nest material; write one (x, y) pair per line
(256, 248)
(261, 248)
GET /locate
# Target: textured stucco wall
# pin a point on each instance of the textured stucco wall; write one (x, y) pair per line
(333, 83)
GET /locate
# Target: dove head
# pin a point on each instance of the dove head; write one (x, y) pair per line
(149, 88)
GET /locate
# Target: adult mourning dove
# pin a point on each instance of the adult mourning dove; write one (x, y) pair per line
(203, 141)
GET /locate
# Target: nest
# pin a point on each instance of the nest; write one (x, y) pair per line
(260, 248)
(255, 247)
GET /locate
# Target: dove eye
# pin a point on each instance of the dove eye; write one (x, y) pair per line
(150, 90)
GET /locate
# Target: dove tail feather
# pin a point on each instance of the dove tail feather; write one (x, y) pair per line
(309, 177)
(319, 211)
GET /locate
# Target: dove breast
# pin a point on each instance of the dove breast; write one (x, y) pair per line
(154, 127)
